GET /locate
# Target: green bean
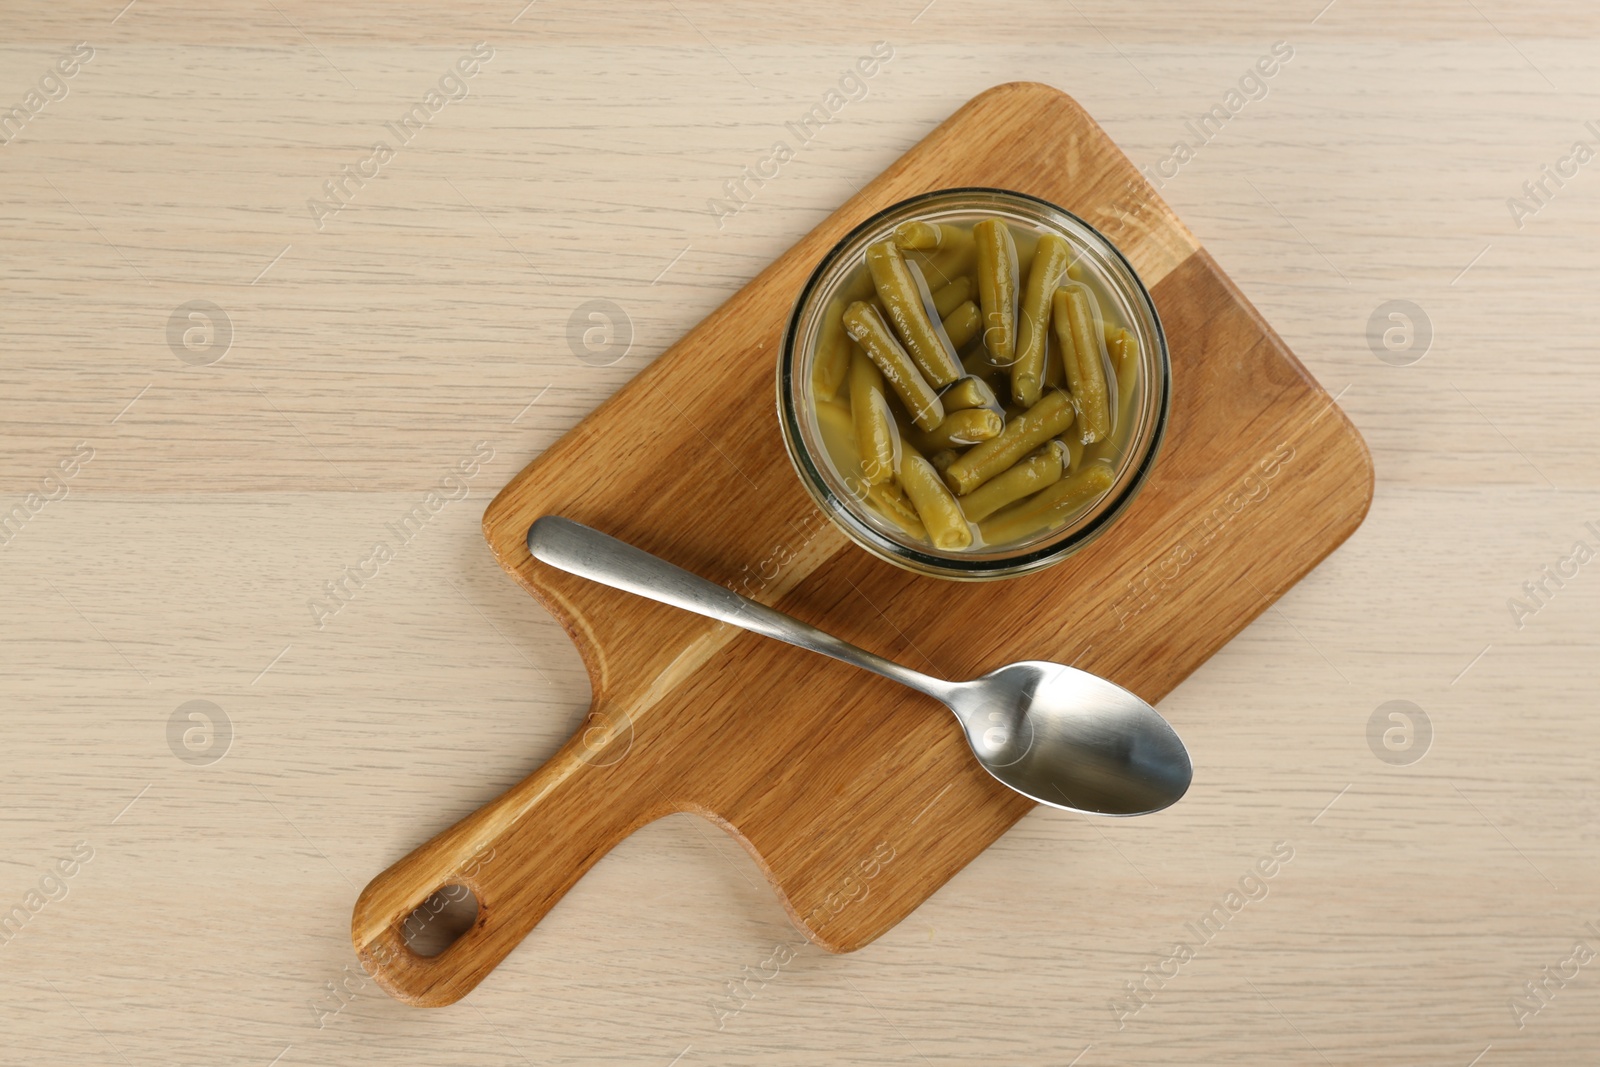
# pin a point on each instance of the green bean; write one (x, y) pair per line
(949, 297)
(877, 439)
(832, 365)
(1027, 373)
(962, 325)
(1081, 351)
(1124, 352)
(1050, 506)
(941, 515)
(997, 289)
(923, 236)
(942, 459)
(1055, 371)
(838, 436)
(867, 328)
(968, 426)
(890, 501)
(909, 307)
(969, 392)
(1074, 449)
(1025, 477)
(1046, 419)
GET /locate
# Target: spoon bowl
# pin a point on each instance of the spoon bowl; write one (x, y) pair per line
(1055, 734)
(1071, 739)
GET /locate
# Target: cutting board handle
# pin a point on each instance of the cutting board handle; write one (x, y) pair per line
(518, 855)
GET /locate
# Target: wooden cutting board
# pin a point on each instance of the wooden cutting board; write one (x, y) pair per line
(858, 798)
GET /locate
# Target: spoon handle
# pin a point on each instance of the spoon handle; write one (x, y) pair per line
(588, 553)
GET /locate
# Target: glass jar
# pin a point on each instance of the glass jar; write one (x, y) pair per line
(1102, 267)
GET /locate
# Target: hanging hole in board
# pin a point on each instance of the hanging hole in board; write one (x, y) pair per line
(438, 922)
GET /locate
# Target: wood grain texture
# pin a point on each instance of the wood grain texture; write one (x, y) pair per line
(369, 356)
(830, 779)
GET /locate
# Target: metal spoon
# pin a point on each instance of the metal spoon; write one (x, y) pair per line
(1058, 735)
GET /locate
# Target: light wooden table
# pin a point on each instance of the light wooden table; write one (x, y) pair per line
(212, 499)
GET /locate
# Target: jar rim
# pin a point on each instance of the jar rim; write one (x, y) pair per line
(1074, 535)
